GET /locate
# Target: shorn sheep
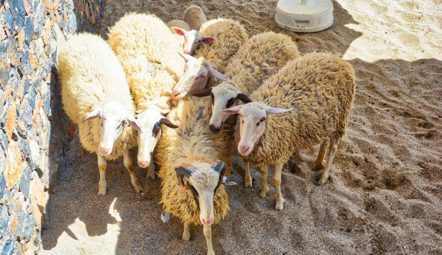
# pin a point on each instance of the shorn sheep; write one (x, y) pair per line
(259, 58)
(191, 174)
(148, 52)
(317, 92)
(96, 97)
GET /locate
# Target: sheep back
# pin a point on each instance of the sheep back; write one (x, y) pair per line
(148, 51)
(230, 36)
(259, 58)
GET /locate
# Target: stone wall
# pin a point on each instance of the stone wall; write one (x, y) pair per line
(33, 137)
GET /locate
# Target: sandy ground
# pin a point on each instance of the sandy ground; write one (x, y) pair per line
(385, 192)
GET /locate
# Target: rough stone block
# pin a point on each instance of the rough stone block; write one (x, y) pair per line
(11, 118)
(14, 165)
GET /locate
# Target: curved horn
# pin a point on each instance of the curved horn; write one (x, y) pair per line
(219, 166)
(168, 123)
(244, 98)
(203, 93)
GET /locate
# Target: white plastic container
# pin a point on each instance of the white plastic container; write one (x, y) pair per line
(304, 15)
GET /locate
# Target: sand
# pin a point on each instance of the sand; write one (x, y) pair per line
(385, 191)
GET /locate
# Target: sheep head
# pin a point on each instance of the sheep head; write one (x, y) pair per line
(197, 73)
(252, 117)
(113, 116)
(203, 179)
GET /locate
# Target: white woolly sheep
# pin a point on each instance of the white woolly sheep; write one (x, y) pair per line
(317, 91)
(191, 174)
(96, 97)
(148, 52)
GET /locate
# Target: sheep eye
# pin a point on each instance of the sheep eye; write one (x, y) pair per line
(156, 129)
(230, 102)
(242, 121)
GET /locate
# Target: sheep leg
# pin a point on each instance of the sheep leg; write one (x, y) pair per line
(207, 230)
(133, 177)
(247, 177)
(186, 232)
(102, 164)
(151, 171)
(277, 183)
(229, 167)
(334, 141)
(264, 186)
(318, 164)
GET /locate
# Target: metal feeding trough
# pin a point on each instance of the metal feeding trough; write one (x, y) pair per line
(304, 15)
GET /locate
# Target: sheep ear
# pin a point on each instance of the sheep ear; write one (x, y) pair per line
(217, 74)
(208, 39)
(168, 123)
(178, 31)
(92, 115)
(244, 98)
(133, 123)
(203, 93)
(182, 175)
(276, 110)
(219, 166)
(233, 110)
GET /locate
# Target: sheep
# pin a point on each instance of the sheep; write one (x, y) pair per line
(195, 17)
(211, 57)
(259, 58)
(317, 91)
(230, 36)
(148, 53)
(192, 181)
(197, 74)
(187, 31)
(96, 97)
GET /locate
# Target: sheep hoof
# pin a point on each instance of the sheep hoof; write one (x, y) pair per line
(263, 193)
(279, 204)
(186, 236)
(322, 179)
(102, 189)
(210, 252)
(137, 186)
(248, 183)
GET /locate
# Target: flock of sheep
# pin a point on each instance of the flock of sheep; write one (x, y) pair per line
(188, 91)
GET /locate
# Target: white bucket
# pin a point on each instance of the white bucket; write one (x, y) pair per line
(304, 15)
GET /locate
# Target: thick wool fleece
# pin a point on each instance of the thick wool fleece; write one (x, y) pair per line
(230, 36)
(148, 52)
(259, 58)
(191, 142)
(320, 88)
(91, 75)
